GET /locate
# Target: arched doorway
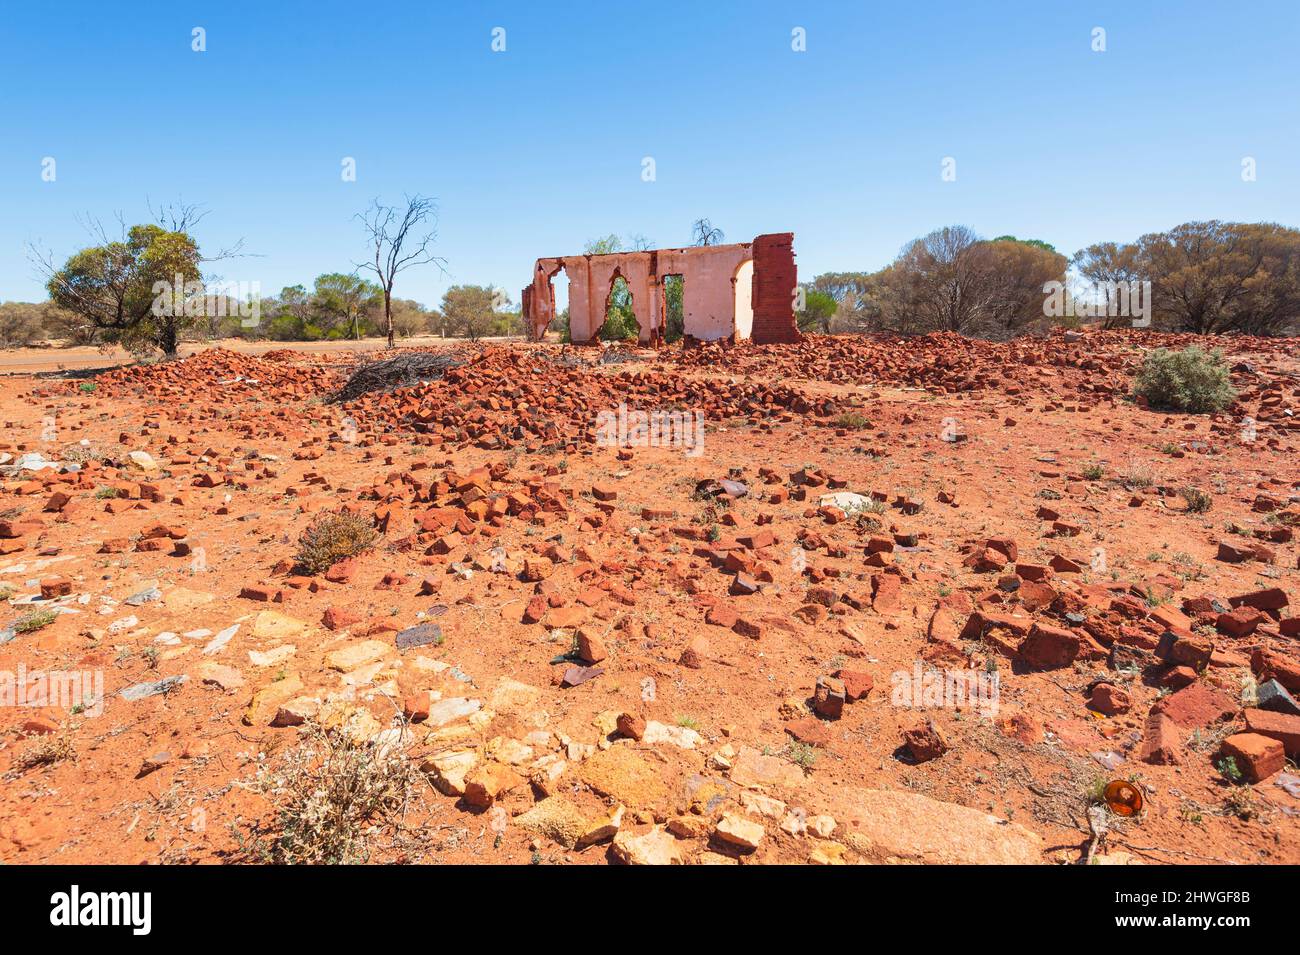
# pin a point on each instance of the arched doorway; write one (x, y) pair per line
(559, 287)
(620, 319)
(743, 281)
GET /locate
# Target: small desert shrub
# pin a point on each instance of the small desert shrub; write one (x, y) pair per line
(107, 492)
(47, 751)
(854, 420)
(1188, 380)
(1094, 471)
(332, 537)
(330, 791)
(1240, 802)
(1228, 769)
(802, 755)
(35, 620)
(20, 324)
(81, 453)
(1136, 474)
(1198, 502)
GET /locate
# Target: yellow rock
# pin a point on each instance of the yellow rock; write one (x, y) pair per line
(511, 696)
(449, 770)
(356, 721)
(606, 721)
(623, 775)
(183, 600)
(740, 832)
(602, 829)
(273, 624)
(273, 657)
(827, 853)
(296, 711)
(656, 847)
(557, 819)
(709, 857)
(266, 701)
(357, 654)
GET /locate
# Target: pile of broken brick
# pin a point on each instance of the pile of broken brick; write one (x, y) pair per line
(1090, 365)
(1040, 620)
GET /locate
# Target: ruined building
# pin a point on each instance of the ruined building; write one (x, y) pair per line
(740, 291)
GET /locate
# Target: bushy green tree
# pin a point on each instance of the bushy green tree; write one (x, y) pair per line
(142, 291)
(468, 310)
(346, 302)
(817, 312)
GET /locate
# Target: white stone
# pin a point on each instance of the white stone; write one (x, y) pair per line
(656, 847)
(681, 736)
(143, 461)
(739, 831)
(272, 657)
(218, 643)
(450, 710)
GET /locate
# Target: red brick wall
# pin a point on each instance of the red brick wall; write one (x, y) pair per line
(775, 278)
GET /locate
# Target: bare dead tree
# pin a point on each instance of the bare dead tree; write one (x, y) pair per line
(703, 232)
(401, 241)
(182, 217)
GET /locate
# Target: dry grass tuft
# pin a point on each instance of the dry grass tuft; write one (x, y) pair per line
(331, 791)
(332, 537)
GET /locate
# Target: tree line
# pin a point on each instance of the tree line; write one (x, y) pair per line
(1204, 277)
(336, 306)
(150, 288)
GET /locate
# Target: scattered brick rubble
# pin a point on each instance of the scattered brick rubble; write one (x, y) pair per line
(641, 655)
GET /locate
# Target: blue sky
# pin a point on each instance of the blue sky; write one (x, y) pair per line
(534, 150)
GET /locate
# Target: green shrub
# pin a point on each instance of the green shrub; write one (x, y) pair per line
(35, 620)
(1198, 502)
(1229, 770)
(854, 420)
(1188, 380)
(332, 537)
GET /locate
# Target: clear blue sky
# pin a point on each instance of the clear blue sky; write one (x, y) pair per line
(537, 149)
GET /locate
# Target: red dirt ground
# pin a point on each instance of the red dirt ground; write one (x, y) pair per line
(1031, 522)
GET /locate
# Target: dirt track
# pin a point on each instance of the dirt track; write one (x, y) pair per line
(35, 360)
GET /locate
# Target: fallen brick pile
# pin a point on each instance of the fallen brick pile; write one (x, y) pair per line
(219, 373)
(510, 396)
(948, 362)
